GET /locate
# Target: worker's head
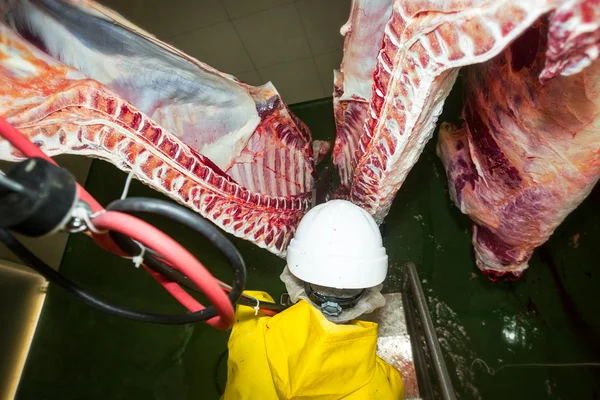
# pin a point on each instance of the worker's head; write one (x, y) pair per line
(338, 253)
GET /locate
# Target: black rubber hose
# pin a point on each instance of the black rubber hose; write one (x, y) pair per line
(152, 261)
(151, 258)
(193, 221)
(58, 279)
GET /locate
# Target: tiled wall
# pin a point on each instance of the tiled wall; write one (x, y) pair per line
(295, 44)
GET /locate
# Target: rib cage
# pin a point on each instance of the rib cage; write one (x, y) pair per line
(352, 82)
(349, 117)
(66, 113)
(574, 38)
(275, 161)
(186, 179)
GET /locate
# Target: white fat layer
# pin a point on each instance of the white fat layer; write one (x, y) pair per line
(63, 44)
(369, 18)
(197, 105)
(225, 150)
(18, 63)
(348, 25)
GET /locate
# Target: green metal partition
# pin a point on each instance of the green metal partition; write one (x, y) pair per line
(552, 315)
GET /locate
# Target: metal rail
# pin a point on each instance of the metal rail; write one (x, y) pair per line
(412, 290)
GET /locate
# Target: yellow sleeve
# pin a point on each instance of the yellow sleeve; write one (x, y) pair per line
(248, 374)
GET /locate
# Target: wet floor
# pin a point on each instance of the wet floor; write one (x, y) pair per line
(489, 331)
(550, 316)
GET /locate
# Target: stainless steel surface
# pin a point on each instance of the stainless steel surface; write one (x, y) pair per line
(412, 287)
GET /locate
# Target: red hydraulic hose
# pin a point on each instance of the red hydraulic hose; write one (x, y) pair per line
(174, 287)
(176, 291)
(25, 146)
(176, 255)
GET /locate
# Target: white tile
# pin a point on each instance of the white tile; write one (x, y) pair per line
(273, 36)
(322, 21)
(218, 46)
(187, 15)
(296, 81)
(326, 63)
(250, 77)
(239, 8)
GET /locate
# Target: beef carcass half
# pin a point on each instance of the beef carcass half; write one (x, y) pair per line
(424, 45)
(77, 78)
(528, 153)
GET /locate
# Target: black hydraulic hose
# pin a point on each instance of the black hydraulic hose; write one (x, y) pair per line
(151, 260)
(58, 279)
(246, 300)
(176, 276)
(193, 221)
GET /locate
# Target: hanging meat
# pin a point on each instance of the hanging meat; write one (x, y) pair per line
(77, 78)
(528, 152)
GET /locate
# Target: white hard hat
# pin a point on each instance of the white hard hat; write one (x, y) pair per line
(338, 245)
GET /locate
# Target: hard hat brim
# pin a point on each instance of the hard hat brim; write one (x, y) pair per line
(340, 272)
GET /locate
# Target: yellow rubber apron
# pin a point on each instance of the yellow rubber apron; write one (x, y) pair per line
(299, 354)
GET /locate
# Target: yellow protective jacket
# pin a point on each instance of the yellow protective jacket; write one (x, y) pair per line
(298, 354)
